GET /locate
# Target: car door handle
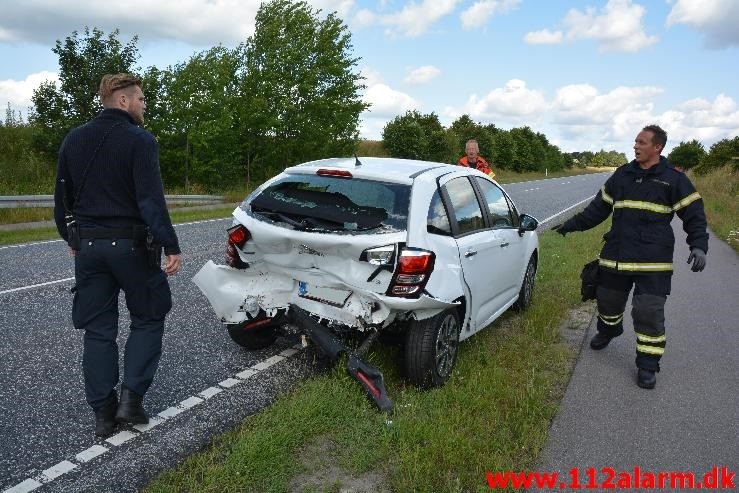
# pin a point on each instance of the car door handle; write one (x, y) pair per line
(504, 244)
(470, 253)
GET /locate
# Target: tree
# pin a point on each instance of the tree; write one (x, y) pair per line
(299, 95)
(191, 108)
(687, 155)
(418, 136)
(82, 63)
(725, 152)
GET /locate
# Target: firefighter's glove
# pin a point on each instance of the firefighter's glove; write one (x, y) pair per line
(698, 258)
(562, 229)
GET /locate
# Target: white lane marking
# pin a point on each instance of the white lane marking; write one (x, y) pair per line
(171, 412)
(4, 247)
(563, 211)
(87, 455)
(121, 437)
(153, 421)
(57, 470)
(191, 402)
(29, 244)
(229, 382)
(24, 487)
(91, 453)
(246, 374)
(268, 362)
(22, 288)
(210, 392)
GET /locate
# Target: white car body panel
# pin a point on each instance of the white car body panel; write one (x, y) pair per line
(279, 258)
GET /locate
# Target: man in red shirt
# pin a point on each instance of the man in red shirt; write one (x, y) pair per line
(472, 159)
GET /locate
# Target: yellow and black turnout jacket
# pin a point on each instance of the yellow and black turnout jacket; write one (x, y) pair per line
(643, 203)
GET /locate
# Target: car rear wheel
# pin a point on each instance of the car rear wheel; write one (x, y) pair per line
(526, 294)
(431, 349)
(252, 335)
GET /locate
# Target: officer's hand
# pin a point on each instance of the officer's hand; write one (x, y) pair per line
(698, 257)
(173, 264)
(560, 228)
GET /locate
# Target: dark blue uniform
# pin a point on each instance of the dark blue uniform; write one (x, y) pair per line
(120, 195)
(639, 247)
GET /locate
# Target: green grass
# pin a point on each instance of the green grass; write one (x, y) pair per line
(720, 192)
(492, 415)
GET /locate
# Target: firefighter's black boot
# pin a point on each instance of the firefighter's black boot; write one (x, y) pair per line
(646, 379)
(105, 417)
(131, 409)
(599, 341)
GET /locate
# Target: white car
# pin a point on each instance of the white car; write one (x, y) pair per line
(430, 251)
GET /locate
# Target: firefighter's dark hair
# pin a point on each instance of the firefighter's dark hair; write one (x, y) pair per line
(659, 136)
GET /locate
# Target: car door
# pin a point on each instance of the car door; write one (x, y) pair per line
(503, 220)
(479, 249)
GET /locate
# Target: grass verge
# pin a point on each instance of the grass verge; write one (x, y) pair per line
(720, 192)
(493, 414)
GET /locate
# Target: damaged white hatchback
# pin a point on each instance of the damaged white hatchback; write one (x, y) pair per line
(428, 252)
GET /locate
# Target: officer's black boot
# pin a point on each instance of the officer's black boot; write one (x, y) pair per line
(130, 409)
(599, 341)
(105, 417)
(646, 379)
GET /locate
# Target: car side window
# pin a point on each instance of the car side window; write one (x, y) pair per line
(500, 212)
(464, 203)
(437, 221)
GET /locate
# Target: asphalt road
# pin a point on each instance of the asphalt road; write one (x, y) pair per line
(690, 422)
(205, 384)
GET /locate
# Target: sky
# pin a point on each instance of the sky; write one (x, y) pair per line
(589, 74)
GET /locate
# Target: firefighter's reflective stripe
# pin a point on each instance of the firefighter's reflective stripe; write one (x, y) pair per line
(611, 319)
(654, 345)
(650, 339)
(604, 195)
(686, 201)
(659, 351)
(636, 266)
(647, 206)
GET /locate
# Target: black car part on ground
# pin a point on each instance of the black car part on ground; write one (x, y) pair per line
(367, 375)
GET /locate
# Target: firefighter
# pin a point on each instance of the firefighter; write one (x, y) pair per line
(472, 159)
(643, 197)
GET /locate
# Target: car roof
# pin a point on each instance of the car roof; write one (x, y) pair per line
(374, 168)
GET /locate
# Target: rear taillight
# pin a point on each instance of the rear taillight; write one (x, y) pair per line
(237, 238)
(411, 273)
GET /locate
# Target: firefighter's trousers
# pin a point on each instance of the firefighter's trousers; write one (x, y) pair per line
(647, 311)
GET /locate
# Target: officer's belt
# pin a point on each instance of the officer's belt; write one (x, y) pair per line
(106, 233)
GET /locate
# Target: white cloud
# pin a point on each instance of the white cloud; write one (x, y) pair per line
(387, 102)
(195, 22)
(716, 19)
(412, 21)
(18, 92)
(422, 75)
(543, 37)
(511, 103)
(581, 104)
(615, 27)
(479, 13)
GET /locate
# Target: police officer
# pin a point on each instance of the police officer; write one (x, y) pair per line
(643, 196)
(109, 198)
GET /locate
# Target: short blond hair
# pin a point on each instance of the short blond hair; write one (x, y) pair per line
(111, 83)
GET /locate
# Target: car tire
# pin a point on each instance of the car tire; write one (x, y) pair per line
(256, 338)
(526, 294)
(431, 349)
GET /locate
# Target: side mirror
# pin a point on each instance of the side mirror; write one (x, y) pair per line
(527, 223)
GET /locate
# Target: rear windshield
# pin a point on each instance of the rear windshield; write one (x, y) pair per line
(324, 203)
